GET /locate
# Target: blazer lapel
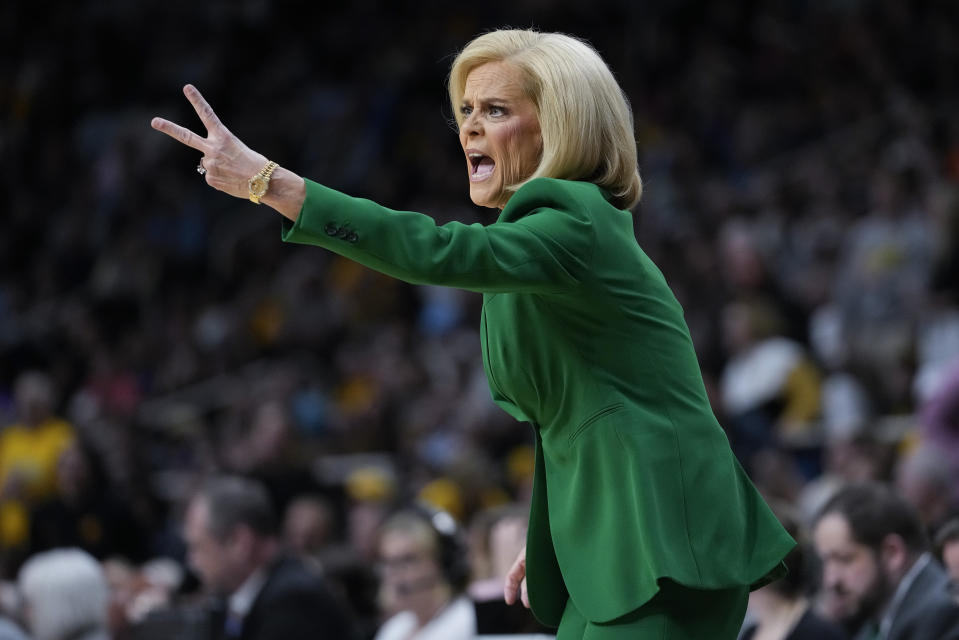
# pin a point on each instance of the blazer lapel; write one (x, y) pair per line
(930, 581)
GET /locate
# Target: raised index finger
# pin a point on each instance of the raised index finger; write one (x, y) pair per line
(202, 107)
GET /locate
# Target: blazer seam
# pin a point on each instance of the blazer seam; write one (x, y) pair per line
(416, 278)
(592, 242)
(549, 303)
(490, 375)
(682, 476)
(580, 282)
(298, 226)
(576, 278)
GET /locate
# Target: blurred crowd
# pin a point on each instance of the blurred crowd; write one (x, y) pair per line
(801, 168)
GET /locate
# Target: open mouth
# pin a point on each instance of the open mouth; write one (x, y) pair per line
(481, 166)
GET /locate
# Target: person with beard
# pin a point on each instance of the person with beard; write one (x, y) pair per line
(879, 578)
(782, 610)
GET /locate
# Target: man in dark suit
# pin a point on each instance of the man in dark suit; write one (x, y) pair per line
(231, 535)
(879, 578)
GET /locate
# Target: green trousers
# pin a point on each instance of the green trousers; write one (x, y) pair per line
(675, 613)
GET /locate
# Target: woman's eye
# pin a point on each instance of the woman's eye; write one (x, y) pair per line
(466, 111)
(497, 111)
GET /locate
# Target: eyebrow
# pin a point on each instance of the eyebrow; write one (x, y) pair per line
(466, 102)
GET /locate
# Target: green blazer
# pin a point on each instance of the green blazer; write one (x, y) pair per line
(581, 336)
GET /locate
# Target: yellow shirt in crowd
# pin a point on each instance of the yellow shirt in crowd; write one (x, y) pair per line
(28, 455)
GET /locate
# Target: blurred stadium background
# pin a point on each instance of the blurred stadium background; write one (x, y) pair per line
(801, 162)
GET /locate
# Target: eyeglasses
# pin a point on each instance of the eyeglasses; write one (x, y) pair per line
(402, 561)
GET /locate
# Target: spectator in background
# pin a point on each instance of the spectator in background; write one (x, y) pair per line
(886, 267)
(231, 535)
(492, 533)
(860, 458)
(125, 584)
(947, 550)
(939, 416)
(769, 386)
(30, 450)
(496, 536)
(84, 513)
(154, 602)
(879, 579)
(309, 527)
(924, 478)
(311, 532)
(65, 596)
(746, 271)
(370, 492)
(782, 610)
(269, 452)
(424, 570)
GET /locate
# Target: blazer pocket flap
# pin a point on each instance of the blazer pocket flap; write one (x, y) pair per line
(593, 419)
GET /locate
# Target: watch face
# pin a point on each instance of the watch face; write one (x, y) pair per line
(258, 185)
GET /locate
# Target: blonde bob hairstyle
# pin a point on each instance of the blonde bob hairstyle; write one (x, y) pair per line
(584, 117)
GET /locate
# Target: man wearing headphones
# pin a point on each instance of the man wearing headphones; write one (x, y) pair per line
(424, 571)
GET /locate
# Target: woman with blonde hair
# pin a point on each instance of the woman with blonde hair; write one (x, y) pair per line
(423, 572)
(642, 523)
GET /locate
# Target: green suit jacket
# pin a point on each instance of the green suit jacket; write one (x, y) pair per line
(581, 336)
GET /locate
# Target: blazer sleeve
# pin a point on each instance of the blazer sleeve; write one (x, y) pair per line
(545, 250)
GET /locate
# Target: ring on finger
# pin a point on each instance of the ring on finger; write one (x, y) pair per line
(200, 168)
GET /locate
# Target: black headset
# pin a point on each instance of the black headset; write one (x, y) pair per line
(452, 553)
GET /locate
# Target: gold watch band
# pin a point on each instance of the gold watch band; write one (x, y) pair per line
(259, 183)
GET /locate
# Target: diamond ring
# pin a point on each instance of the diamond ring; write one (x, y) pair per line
(200, 168)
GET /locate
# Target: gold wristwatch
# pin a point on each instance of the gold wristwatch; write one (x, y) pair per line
(261, 182)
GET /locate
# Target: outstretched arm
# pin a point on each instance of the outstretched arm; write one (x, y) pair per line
(546, 249)
(229, 163)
